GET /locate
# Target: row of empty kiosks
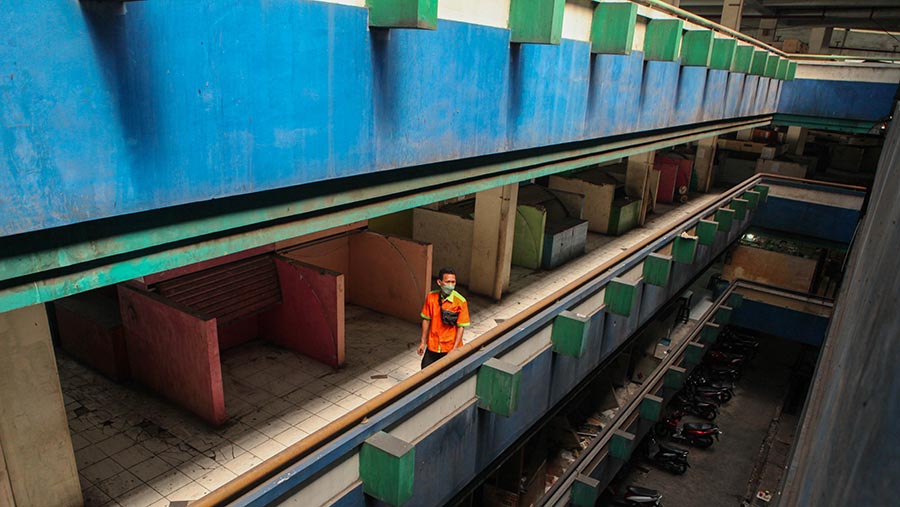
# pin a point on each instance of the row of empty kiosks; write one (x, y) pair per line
(548, 230)
(166, 331)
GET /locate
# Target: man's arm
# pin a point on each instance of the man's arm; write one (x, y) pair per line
(426, 325)
(459, 342)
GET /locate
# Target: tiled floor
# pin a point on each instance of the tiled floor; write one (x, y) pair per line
(136, 450)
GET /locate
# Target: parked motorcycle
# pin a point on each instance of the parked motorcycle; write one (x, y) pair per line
(715, 394)
(670, 459)
(636, 496)
(719, 357)
(697, 379)
(720, 372)
(697, 434)
(695, 406)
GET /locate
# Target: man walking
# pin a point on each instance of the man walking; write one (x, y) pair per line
(444, 316)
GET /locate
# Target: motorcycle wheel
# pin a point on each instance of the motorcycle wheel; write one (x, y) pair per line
(702, 442)
(662, 429)
(725, 396)
(678, 469)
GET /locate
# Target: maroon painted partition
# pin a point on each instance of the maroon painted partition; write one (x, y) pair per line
(174, 352)
(332, 254)
(310, 317)
(390, 275)
(90, 329)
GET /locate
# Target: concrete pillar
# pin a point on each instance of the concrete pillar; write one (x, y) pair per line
(820, 40)
(34, 433)
(796, 139)
(767, 27)
(704, 161)
(492, 240)
(638, 182)
(732, 11)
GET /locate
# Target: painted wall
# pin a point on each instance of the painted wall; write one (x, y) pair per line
(310, 318)
(174, 352)
(160, 106)
(811, 219)
(850, 100)
(858, 377)
(771, 268)
(390, 275)
(782, 322)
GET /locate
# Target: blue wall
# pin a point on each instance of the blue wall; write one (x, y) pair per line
(807, 218)
(850, 100)
(782, 322)
(178, 102)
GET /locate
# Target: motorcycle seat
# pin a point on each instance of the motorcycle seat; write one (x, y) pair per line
(637, 490)
(673, 451)
(698, 426)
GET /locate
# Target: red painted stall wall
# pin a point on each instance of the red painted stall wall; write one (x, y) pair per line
(90, 329)
(332, 254)
(310, 318)
(389, 275)
(174, 352)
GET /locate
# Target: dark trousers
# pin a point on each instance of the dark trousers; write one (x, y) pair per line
(429, 357)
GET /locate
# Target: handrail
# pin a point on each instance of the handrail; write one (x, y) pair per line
(694, 18)
(299, 450)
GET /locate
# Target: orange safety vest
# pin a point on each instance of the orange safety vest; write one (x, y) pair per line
(441, 337)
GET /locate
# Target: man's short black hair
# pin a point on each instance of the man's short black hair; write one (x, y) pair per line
(445, 271)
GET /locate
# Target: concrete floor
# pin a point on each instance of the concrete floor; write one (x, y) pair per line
(719, 476)
(137, 450)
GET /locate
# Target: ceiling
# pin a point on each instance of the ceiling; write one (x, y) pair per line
(864, 14)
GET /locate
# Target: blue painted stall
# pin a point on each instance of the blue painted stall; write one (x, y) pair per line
(810, 219)
(785, 323)
(849, 100)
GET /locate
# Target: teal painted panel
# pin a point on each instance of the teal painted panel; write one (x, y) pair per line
(403, 13)
(612, 28)
(696, 48)
(656, 269)
(528, 236)
(684, 248)
(536, 21)
(743, 57)
(497, 387)
(662, 41)
(619, 296)
(723, 54)
(706, 231)
(387, 468)
(569, 334)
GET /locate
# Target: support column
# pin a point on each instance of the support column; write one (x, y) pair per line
(704, 161)
(767, 27)
(638, 181)
(820, 40)
(732, 11)
(492, 240)
(796, 139)
(34, 433)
